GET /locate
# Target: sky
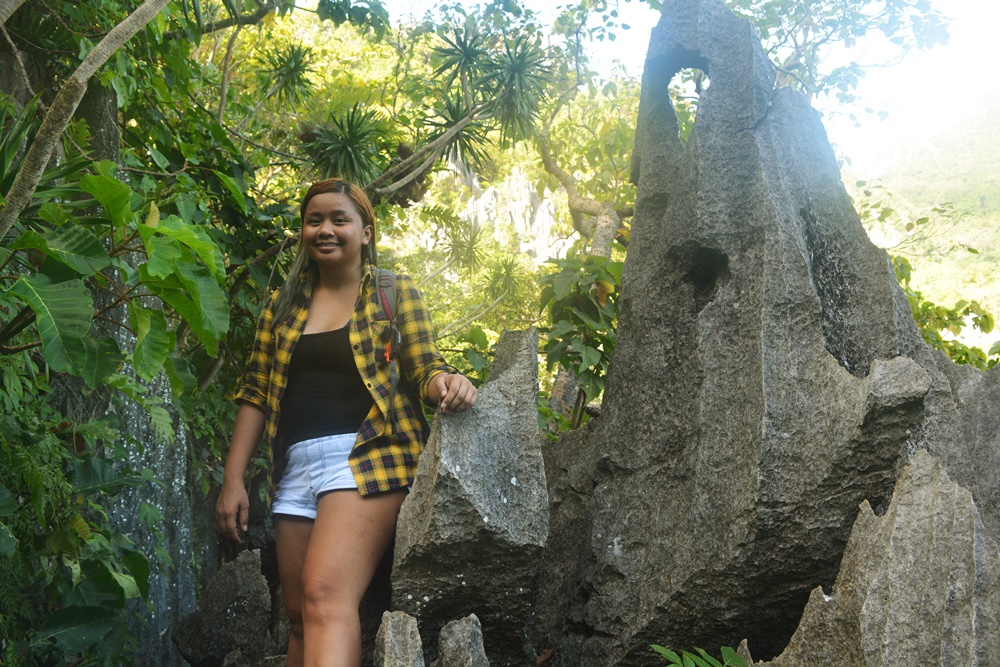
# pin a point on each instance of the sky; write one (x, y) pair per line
(925, 93)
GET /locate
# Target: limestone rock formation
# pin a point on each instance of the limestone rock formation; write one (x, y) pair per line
(917, 586)
(461, 644)
(233, 619)
(470, 534)
(768, 378)
(397, 643)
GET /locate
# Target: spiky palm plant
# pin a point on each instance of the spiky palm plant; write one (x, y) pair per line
(468, 146)
(285, 73)
(518, 77)
(353, 145)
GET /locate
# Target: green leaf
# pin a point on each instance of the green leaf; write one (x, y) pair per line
(666, 653)
(563, 282)
(97, 587)
(113, 195)
(152, 340)
(97, 359)
(164, 253)
(234, 189)
(708, 660)
(63, 314)
(8, 543)
(732, 658)
(93, 474)
(138, 566)
(159, 158)
(195, 238)
(127, 584)
(71, 244)
(75, 629)
(193, 293)
(589, 356)
(8, 504)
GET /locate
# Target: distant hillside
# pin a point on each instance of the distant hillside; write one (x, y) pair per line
(960, 165)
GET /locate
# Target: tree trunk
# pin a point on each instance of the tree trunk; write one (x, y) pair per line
(64, 106)
(7, 9)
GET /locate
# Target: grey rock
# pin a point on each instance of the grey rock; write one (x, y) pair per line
(233, 617)
(768, 378)
(461, 644)
(470, 534)
(917, 586)
(273, 661)
(397, 643)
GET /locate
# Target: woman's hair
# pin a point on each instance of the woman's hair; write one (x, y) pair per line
(293, 291)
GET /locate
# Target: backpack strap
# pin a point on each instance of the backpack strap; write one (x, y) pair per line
(386, 285)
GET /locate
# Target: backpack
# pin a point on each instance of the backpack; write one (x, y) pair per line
(386, 285)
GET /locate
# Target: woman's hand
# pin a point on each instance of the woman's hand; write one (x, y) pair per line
(232, 511)
(453, 392)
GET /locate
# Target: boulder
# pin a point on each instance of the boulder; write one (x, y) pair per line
(233, 618)
(917, 586)
(470, 534)
(461, 644)
(768, 378)
(397, 643)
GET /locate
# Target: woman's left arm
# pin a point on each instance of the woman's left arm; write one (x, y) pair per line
(419, 357)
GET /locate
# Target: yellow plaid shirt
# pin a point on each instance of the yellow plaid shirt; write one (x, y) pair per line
(384, 456)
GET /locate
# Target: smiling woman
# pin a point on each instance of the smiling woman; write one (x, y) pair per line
(343, 442)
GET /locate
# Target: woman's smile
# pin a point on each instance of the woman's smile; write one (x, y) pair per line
(333, 231)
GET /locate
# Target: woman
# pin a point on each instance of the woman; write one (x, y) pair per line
(318, 388)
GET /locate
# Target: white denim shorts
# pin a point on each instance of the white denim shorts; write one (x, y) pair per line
(314, 467)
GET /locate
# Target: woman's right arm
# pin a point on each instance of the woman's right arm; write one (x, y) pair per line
(233, 507)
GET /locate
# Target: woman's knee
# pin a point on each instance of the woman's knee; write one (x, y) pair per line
(327, 597)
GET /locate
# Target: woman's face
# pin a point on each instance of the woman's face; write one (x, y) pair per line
(333, 232)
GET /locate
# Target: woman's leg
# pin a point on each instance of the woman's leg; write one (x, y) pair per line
(347, 541)
(292, 540)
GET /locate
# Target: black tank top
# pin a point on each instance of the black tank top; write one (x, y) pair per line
(325, 393)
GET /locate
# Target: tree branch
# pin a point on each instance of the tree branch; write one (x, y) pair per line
(413, 175)
(225, 73)
(20, 63)
(14, 349)
(449, 134)
(246, 19)
(476, 313)
(63, 107)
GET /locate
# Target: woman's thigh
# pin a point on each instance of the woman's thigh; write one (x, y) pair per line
(348, 539)
(291, 536)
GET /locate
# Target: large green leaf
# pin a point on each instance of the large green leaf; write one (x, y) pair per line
(113, 195)
(152, 341)
(71, 244)
(193, 293)
(98, 358)
(195, 238)
(63, 314)
(8, 504)
(93, 474)
(76, 628)
(234, 190)
(138, 566)
(164, 252)
(8, 543)
(211, 300)
(98, 587)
